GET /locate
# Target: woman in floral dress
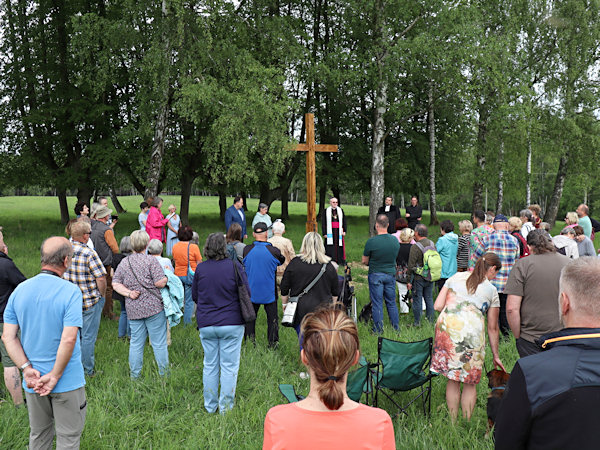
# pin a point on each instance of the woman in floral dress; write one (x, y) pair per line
(459, 347)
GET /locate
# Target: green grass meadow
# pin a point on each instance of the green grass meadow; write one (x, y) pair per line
(169, 413)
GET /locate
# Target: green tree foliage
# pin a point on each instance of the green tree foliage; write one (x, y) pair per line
(468, 104)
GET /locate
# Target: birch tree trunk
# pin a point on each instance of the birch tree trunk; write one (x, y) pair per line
(559, 184)
(160, 127)
(381, 105)
(529, 153)
(378, 149)
(500, 199)
(480, 156)
(431, 129)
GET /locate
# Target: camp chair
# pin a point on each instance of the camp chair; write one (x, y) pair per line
(289, 392)
(401, 367)
(359, 381)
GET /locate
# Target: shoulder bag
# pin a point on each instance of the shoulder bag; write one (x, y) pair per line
(248, 313)
(290, 309)
(189, 277)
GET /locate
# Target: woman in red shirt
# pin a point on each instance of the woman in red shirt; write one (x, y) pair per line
(155, 223)
(327, 418)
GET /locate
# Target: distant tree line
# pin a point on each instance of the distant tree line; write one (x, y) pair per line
(469, 104)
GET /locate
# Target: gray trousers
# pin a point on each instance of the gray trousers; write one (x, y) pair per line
(64, 412)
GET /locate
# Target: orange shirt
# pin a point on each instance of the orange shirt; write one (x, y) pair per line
(291, 427)
(180, 252)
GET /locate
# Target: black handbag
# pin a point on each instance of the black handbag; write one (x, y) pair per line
(402, 275)
(248, 313)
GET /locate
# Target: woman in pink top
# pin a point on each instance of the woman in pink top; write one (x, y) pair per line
(327, 418)
(155, 223)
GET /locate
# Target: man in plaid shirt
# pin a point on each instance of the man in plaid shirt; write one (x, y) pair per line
(87, 272)
(481, 230)
(506, 246)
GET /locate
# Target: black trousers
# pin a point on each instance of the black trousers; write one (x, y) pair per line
(502, 320)
(526, 348)
(272, 323)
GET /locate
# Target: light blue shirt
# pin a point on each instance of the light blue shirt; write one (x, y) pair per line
(142, 217)
(447, 247)
(42, 306)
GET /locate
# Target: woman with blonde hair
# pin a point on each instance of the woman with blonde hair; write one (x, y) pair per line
(405, 236)
(571, 219)
(327, 418)
(302, 270)
(459, 346)
(515, 224)
(172, 228)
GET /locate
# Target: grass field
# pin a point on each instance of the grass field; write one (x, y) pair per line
(169, 413)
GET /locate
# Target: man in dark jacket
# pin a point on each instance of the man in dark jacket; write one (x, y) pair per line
(552, 398)
(106, 246)
(414, 212)
(10, 278)
(235, 213)
(392, 212)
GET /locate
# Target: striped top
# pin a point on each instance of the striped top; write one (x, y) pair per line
(464, 247)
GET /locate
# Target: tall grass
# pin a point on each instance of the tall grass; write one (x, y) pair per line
(169, 413)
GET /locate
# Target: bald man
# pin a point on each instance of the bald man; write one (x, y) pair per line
(47, 310)
(551, 400)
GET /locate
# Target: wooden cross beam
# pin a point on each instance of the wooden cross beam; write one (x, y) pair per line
(311, 181)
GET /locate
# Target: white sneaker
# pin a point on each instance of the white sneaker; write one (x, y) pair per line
(304, 375)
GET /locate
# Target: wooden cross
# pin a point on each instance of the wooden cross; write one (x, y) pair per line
(311, 182)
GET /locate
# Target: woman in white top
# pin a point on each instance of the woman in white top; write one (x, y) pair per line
(459, 346)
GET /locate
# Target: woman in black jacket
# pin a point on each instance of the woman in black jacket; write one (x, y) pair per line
(301, 271)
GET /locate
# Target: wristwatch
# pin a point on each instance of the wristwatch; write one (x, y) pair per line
(25, 366)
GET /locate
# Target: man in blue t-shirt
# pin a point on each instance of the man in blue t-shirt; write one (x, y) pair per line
(260, 261)
(47, 310)
(380, 255)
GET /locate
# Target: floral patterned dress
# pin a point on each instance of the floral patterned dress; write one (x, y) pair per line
(459, 346)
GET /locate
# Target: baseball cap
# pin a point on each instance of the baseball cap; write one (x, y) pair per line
(500, 218)
(260, 227)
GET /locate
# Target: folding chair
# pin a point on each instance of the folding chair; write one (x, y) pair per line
(402, 366)
(289, 392)
(359, 381)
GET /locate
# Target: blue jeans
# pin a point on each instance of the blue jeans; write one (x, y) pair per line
(382, 286)
(222, 346)
(188, 303)
(156, 327)
(89, 333)
(124, 329)
(423, 289)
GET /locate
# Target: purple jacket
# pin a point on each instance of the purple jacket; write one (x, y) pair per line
(214, 291)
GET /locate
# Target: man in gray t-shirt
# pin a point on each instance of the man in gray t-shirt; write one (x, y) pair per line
(533, 290)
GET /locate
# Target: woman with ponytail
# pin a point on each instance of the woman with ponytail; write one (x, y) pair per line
(459, 346)
(327, 418)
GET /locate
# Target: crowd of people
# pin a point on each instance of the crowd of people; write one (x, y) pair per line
(506, 271)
